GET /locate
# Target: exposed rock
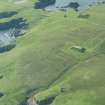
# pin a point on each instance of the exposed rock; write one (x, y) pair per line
(31, 101)
(79, 49)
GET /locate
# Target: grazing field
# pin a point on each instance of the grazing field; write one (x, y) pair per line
(59, 59)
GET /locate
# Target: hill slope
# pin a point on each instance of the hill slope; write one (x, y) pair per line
(49, 61)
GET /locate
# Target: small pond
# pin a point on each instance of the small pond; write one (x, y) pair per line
(9, 31)
(7, 14)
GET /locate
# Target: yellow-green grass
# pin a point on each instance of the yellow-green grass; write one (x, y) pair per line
(43, 58)
(83, 84)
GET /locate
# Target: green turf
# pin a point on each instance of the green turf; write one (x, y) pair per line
(44, 62)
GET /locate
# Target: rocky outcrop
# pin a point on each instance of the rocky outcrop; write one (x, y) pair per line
(31, 101)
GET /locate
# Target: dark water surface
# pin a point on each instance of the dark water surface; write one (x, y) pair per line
(9, 31)
(83, 4)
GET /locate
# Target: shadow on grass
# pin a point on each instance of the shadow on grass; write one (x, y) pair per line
(1, 94)
(47, 101)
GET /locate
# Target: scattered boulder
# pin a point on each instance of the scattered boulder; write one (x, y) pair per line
(31, 101)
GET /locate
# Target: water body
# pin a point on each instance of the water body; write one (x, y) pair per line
(9, 31)
(7, 14)
(83, 4)
(6, 37)
(7, 40)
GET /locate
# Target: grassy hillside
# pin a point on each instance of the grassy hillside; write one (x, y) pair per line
(46, 61)
(83, 83)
